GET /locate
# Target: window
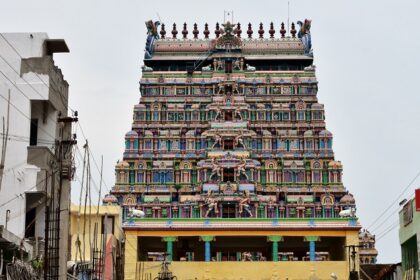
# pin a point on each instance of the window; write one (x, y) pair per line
(300, 177)
(301, 116)
(155, 115)
(288, 145)
(131, 177)
(228, 116)
(148, 144)
(253, 118)
(183, 144)
(140, 177)
(198, 145)
(322, 144)
(30, 219)
(228, 175)
(228, 66)
(109, 225)
(180, 91)
(274, 144)
(33, 138)
(228, 144)
(329, 144)
(259, 144)
(317, 115)
(316, 177)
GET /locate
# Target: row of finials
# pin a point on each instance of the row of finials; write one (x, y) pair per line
(237, 31)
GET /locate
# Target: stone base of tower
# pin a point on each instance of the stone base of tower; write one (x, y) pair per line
(240, 249)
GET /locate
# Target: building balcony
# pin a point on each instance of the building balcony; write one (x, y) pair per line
(40, 156)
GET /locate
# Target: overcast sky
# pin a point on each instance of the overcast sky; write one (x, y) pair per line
(367, 58)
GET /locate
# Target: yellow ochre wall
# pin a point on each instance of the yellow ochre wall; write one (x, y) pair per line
(290, 270)
(246, 270)
(77, 227)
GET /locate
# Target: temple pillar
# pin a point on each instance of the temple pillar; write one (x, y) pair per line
(169, 245)
(275, 239)
(312, 252)
(207, 251)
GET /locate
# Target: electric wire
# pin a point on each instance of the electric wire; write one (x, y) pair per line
(52, 85)
(394, 201)
(23, 114)
(20, 195)
(392, 226)
(26, 82)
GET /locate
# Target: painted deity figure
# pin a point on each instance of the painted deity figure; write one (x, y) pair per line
(244, 203)
(246, 257)
(304, 35)
(241, 168)
(241, 64)
(238, 114)
(218, 113)
(206, 68)
(238, 141)
(235, 88)
(211, 203)
(220, 65)
(216, 169)
(237, 65)
(152, 35)
(217, 140)
(215, 63)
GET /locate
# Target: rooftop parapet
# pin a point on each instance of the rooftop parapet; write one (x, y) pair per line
(228, 36)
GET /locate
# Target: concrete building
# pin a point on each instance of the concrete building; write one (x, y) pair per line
(35, 183)
(101, 228)
(410, 237)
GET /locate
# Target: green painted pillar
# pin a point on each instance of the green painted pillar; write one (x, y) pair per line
(275, 239)
(169, 245)
(275, 251)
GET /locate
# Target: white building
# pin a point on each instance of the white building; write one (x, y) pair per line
(38, 99)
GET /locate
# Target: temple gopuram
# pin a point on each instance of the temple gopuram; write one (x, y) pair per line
(368, 253)
(229, 167)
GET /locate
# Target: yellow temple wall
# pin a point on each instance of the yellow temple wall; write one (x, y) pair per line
(245, 270)
(239, 270)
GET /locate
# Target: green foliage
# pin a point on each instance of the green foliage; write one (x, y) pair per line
(37, 264)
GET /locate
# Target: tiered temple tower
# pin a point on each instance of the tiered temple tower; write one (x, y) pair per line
(368, 253)
(229, 158)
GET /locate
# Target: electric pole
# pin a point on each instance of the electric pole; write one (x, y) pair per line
(352, 253)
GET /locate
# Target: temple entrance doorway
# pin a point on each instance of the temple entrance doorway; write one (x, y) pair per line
(228, 116)
(228, 210)
(228, 144)
(228, 89)
(228, 175)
